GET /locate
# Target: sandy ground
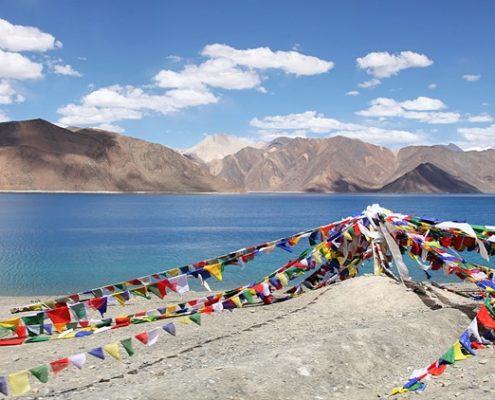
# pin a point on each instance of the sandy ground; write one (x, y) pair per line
(354, 340)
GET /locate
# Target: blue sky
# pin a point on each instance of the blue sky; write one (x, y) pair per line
(388, 72)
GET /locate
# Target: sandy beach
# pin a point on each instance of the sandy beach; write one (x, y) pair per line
(353, 340)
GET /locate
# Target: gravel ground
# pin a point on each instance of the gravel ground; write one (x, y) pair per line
(353, 340)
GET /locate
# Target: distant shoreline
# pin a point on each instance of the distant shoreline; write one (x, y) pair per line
(246, 193)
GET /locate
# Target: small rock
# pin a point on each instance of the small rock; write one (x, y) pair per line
(303, 371)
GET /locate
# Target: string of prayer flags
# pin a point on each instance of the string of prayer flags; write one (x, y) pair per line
(336, 252)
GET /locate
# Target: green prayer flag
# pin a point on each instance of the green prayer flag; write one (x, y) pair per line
(449, 356)
(127, 344)
(33, 319)
(196, 318)
(79, 310)
(248, 296)
(104, 322)
(36, 339)
(41, 372)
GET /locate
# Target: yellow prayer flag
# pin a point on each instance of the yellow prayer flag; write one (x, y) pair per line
(113, 350)
(184, 320)
(237, 301)
(173, 272)
(458, 354)
(215, 270)
(10, 323)
(19, 383)
(120, 298)
(282, 277)
(397, 390)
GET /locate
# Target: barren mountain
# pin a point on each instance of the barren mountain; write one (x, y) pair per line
(340, 164)
(38, 155)
(337, 164)
(427, 177)
(216, 147)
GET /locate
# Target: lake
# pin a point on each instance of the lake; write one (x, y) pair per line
(61, 243)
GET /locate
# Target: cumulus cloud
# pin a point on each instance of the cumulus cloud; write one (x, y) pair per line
(8, 94)
(117, 102)
(423, 104)
(194, 85)
(483, 117)
(432, 86)
(66, 70)
(25, 38)
(371, 83)
(423, 109)
(17, 66)
(384, 65)
(310, 122)
(291, 62)
(74, 114)
(471, 77)
(480, 137)
(220, 73)
(353, 93)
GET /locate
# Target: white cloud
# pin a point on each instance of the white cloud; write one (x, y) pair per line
(110, 128)
(226, 68)
(480, 137)
(137, 99)
(353, 93)
(471, 77)
(219, 73)
(66, 70)
(25, 38)
(432, 86)
(423, 104)
(17, 66)
(384, 64)
(3, 117)
(371, 83)
(310, 122)
(291, 62)
(8, 94)
(117, 102)
(74, 114)
(423, 109)
(485, 104)
(483, 117)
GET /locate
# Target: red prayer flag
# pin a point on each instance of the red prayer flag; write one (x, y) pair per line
(59, 365)
(485, 318)
(142, 337)
(59, 315)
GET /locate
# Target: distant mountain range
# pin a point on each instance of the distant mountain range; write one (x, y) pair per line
(341, 164)
(38, 155)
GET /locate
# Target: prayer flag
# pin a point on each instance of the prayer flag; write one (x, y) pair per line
(19, 383)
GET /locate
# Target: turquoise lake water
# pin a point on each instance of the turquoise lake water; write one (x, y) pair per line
(61, 243)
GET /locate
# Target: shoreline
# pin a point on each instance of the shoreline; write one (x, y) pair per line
(240, 193)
